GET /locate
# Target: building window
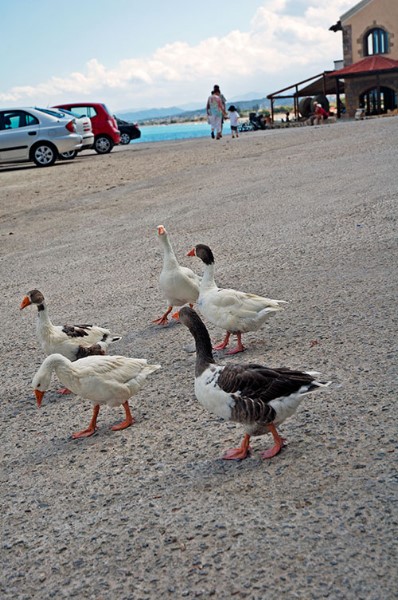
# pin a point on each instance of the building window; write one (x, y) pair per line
(376, 42)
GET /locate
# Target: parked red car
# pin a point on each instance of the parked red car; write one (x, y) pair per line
(106, 132)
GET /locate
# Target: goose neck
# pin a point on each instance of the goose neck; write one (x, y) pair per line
(204, 353)
(169, 258)
(62, 366)
(43, 318)
(208, 277)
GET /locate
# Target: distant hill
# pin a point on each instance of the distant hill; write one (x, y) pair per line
(175, 111)
(150, 113)
(245, 97)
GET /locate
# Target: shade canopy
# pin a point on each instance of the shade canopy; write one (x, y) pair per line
(320, 86)
(367, 66)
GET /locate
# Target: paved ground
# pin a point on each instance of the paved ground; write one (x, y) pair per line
(306, 215)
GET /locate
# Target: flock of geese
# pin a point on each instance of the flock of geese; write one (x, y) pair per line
(254, 395)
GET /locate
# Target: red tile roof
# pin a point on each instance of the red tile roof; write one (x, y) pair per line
(370, 64)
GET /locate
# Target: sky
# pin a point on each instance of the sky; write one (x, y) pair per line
(132, 54)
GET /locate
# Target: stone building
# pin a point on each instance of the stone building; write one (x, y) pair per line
(370, 50)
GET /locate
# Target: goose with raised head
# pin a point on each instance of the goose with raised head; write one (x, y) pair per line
(258, 397)
(109, 380)
(234, 311)
(179, 285)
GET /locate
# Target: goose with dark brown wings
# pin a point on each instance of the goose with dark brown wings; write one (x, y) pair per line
(258, 397)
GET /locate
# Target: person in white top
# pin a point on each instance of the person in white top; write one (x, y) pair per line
(233, 119)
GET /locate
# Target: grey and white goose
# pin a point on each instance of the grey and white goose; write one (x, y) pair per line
(258, 397)
(234, 311)
(72, 341)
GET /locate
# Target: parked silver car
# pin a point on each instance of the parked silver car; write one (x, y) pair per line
(35, 134)
(83, 127)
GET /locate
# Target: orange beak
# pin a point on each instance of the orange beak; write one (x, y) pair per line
(39, 397)
(161, 230)
(192, 252)
(25, 302)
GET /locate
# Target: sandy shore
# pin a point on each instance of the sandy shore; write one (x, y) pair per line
(306, 215)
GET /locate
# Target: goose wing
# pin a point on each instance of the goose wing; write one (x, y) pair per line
(191, 276)
(109, 379)
(254, 386)
(180, 285)
(86, 334)
(241, 302)
(236, 311)
(120, 369)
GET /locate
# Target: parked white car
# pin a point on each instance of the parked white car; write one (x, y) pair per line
(35, 134)
(83, 127)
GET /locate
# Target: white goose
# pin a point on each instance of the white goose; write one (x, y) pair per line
(110, 380)
(72, 341)
(178, 284)
(258, 397)
(236, 312)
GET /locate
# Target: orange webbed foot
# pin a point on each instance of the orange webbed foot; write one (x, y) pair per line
(161, 321)
(239, 453)
(91, 429)
(222, 345)
(219, 346)
(239, 346)
(274, 450)
(123, 425)
(85, 433)
(236, 350)
(279, 443)
(129, 420)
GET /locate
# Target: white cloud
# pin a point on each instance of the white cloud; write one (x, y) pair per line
(278, 50)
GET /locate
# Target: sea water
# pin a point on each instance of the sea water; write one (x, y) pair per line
(174, 131)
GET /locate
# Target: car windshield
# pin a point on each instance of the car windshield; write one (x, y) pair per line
(53, 113)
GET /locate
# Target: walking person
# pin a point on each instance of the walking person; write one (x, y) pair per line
(209, 119)
(233, 120)
(215, 112)
(216, 88)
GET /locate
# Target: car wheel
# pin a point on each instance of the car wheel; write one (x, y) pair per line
(44, 155)
(103, 144)
(124, 138)
(68, 155)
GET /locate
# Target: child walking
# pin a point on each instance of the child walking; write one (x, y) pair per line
(233, 119)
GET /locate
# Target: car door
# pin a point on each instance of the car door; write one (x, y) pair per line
(18, 131)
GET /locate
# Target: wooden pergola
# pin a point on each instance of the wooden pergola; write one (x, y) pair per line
(321, 84)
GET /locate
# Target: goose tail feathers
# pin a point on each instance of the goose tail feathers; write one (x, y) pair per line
(316, 383)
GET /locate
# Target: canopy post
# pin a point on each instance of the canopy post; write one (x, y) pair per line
(378, 94)
(338, 98)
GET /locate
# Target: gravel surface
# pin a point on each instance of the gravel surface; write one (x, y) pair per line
(305, 215)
